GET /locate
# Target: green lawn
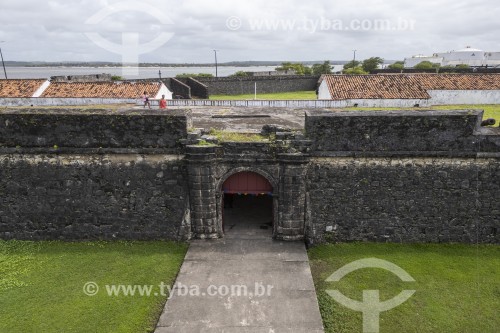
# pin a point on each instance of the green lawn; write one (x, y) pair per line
(41, 285)
(457, 286)
(490, 110)
(296, 95)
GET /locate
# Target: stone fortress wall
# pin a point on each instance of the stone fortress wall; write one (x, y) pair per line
(406, 176)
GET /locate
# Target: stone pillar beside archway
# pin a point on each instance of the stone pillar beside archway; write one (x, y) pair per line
(292, 198)
(202, 192)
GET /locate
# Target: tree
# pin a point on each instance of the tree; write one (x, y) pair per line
(319, 69)
(352, 64)
(426, 65)
(372, 64)
(399, 65)
(355, 71)
(463, 66)
(116, 78)
(299, 68)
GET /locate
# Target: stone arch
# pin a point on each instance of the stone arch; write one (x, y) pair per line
(220, 206)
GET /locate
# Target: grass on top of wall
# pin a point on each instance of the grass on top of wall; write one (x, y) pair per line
(490, 110)
(457, 286)
(41, 285)
(227, 136)
(295, 95)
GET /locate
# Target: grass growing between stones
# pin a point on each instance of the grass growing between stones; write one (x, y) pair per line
(295, 95)
(457, 286)
(225, 136)
(41, 285)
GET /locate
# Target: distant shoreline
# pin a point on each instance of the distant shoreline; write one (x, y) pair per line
(65, 64)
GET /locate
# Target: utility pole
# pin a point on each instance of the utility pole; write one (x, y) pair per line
(216, 69)
(3, 63)
(354, 59)
(159, 73)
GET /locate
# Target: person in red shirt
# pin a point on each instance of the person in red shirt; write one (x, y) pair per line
(163, 102)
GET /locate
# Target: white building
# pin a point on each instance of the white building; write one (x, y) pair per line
(468, 56)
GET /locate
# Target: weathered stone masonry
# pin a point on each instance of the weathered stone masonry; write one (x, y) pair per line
(83, 174)
(376, 176)
(403, 177)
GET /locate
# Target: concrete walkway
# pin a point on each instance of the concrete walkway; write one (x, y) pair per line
(246, 256)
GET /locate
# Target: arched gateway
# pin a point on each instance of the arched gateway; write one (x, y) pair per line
(275, 190)
(247, 204)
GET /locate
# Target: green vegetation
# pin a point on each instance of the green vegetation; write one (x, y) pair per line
(225, 136)
(457, 287)
(193, 75)
(355, 67)
(205, 143)
(116, 78)
(399, 65)
(239, 74)
(41, 285)
(355, 71)
(426, 65)
(299, 68)
(352, 64)
(295, 95)
(490, 110)
(372, 64)
(320, 69)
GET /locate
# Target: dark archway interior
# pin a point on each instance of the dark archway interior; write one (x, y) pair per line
(248, 205)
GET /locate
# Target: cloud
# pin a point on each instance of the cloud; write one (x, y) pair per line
(270, 30)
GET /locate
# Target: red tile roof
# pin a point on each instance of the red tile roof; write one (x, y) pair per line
(459, 81)
(374, 87)
(123, 90)
(405, 86)
(19, 88)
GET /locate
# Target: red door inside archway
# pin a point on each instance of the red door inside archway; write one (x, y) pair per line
(248, 204)
(247, 182)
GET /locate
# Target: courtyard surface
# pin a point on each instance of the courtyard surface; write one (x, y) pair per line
(251, 120)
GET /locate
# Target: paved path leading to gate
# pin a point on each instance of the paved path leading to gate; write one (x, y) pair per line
(244, 257)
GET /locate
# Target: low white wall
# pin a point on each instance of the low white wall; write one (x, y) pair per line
(383, 103)
(313, 104)
(302, 103)
(63, 101)
(444, 97)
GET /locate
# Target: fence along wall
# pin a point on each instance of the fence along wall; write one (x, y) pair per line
(403, 177)
(72, 174)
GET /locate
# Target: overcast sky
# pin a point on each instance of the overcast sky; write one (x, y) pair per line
(188, 31)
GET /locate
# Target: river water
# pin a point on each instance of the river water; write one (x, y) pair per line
(127, 73)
